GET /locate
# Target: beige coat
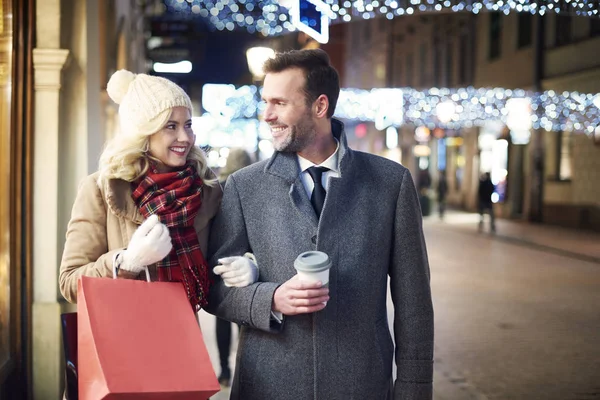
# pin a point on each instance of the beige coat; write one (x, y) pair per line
(102, 223)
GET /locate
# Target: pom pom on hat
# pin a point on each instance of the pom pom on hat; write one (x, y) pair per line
(119, 84)
(142, 98)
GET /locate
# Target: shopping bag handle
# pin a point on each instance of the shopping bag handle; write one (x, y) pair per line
(115, 268)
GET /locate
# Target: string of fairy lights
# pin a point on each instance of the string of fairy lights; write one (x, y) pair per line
(444, 108)
(272, 17)
(267, 17)
(468, 107)
(434, 107)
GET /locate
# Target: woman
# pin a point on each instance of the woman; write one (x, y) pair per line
(152, 200)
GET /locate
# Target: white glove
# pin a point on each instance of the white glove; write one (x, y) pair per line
(237, 271)
(150, 243)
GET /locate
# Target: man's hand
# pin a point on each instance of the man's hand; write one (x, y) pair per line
(299, 297)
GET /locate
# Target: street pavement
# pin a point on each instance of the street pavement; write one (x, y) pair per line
(517, 313)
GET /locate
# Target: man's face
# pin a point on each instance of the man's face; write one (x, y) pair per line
(286, 112)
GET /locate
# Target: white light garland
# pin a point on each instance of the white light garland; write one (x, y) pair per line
(468, 107)
(267, 17)
(271, 17)
(462, 108)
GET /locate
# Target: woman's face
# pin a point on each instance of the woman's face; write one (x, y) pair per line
(171, 145)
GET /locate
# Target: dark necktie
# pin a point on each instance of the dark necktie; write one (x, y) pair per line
(318, 195)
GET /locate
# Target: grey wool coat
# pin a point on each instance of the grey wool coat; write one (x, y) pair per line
(371, 228)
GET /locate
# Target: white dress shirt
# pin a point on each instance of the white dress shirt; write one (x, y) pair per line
(331, 163)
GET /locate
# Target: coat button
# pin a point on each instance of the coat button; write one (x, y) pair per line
(314, 239)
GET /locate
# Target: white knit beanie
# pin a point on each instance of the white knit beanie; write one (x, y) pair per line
(142, 98)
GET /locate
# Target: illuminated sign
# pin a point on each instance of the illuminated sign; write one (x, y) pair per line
(312, 17)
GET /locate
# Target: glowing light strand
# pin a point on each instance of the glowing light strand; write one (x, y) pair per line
(271, 17)
(267, 17)
(475, 106)
(552, 111)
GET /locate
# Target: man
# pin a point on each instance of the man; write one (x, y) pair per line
(303, 341)
(442, 190)
(484, 193)
(237, 159)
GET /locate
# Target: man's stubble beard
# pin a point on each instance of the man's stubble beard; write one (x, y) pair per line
(300, 136)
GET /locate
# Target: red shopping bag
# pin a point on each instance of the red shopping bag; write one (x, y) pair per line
(140, 340)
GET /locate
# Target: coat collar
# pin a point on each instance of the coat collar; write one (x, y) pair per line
(118, 195)
(285, 165)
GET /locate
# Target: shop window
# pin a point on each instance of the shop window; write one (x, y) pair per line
(463, 58)
(397, 78)
(423, 65)
(449, 65)
(409, 70)
(437, 60)
(460, 167)
(563, 30)
(499, 171)
(383, 24)
(525, 36)
(441, 154)
(350, 32)
(564, 160)
(495, 35)
(594, 26)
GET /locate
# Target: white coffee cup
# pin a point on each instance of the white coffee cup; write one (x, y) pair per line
(313, 266)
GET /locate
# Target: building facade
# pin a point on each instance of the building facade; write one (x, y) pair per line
(552, 177)
(420, 52)
(55, 94)
(555, 177)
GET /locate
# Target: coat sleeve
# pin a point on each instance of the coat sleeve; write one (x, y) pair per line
(86, 248)
(250, 305)
(411, 294)
(211, 200)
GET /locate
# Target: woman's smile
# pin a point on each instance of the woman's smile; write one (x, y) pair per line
(179, 150)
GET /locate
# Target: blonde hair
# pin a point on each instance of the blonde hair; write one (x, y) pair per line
(126, 156)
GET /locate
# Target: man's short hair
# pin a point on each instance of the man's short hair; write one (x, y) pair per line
(321, 77)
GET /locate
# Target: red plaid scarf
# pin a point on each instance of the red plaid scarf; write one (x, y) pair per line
(176, 198)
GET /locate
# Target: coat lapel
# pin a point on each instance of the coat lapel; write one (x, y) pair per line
(341, 189)
(301, 202)
(285, 166)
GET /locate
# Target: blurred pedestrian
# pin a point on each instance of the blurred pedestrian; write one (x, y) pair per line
(485, 191)
(424, 181)
(442, 190)
(301, 340)
(151, 202)
(237, 159)
(423, 186)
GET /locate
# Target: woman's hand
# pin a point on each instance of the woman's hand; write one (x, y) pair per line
(237, 271)
(150, 243)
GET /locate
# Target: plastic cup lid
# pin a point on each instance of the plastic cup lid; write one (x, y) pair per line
(312, 261)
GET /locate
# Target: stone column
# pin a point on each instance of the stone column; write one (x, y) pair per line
(46, 336)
